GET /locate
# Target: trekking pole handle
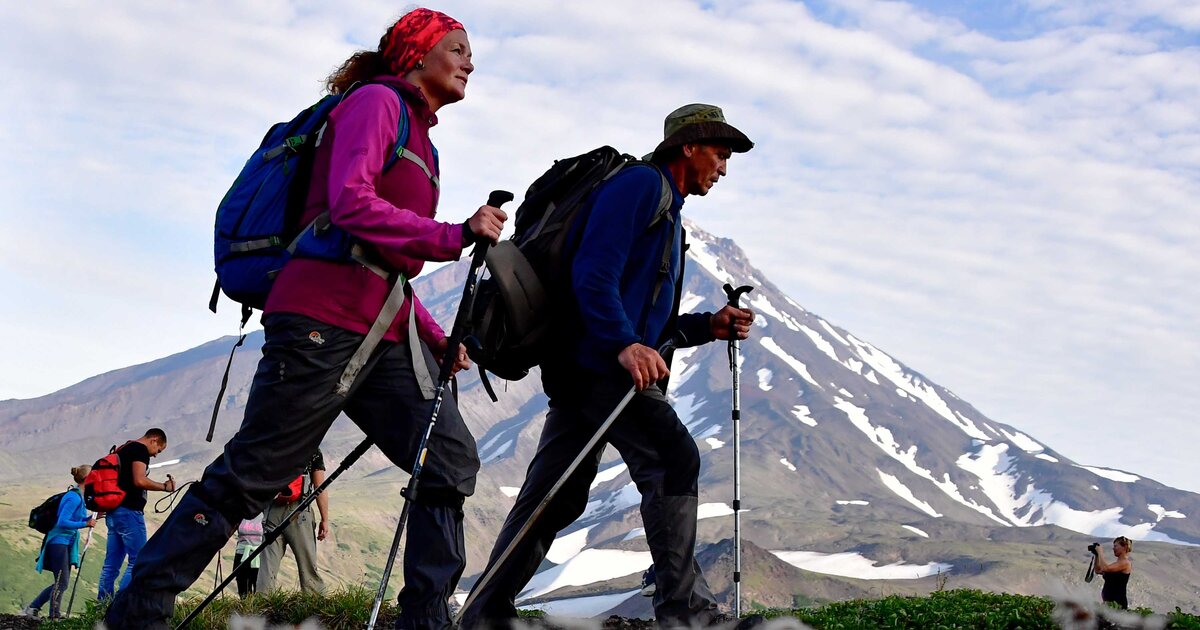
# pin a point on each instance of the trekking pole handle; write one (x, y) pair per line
(495, 199)
(735, 295)
(498, 198)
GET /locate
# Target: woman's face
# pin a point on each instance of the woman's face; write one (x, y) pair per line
(1119, 548)
(443, 77)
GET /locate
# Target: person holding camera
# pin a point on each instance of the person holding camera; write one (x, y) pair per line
(1116, 575)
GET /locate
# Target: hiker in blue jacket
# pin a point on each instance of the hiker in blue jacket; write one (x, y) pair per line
(627, 280)
(60, 549)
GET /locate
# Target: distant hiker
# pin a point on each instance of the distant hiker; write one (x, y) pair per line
(614, 274)
(316, 316)
(302, 535)
(60, 548)
(126, 524)
(250, 536)
(1116, 575)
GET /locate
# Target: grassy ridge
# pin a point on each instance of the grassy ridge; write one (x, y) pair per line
(958, 609)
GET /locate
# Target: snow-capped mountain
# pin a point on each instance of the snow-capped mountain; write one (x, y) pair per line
(854, 466)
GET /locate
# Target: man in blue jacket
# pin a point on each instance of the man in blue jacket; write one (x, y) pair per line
(627, 278)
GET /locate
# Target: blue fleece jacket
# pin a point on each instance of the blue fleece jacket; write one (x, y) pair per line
(618, 265)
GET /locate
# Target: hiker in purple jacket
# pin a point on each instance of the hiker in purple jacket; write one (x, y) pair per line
(317, 315)
(626, 280)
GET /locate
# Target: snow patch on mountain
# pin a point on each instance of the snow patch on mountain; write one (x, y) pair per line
(770, 346)
(689, 302)
(787, 464)
(628, 496)
(581, 607)
(608, 474)
(681, 367)
(710, 262)
(915, 531)
(894, 372)
(509, 491)
(568, 546)
(852, 564)
(902, 491)
(764, 379)
(1162, 512)
(761, 304)
(685, 408)
(802, 413)
(713, 510)
(852, 502)
(714, 443)
(884, 439)
(1114, 475)
(587, 567)
(998, 477)
(1023, 442)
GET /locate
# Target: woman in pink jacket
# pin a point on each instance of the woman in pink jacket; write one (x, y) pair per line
(316, 318)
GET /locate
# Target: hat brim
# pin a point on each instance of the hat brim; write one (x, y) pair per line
(708, 132)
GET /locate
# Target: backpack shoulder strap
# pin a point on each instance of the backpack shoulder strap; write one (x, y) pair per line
(400, 150)
(663, 213)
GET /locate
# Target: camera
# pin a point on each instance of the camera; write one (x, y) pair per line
(1093, 547)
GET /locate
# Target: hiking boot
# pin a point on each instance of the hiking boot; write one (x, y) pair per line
(648, 585)
(30, 611)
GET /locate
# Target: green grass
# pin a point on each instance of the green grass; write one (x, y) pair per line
(343, 608)
(948, 610)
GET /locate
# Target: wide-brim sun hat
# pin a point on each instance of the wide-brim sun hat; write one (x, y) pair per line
(701, 123)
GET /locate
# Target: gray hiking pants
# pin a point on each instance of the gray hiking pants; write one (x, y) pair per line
(292, 404)
(664, 463)
(301, 537)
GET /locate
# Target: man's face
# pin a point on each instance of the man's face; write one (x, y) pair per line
(705, 165)
(156, 446)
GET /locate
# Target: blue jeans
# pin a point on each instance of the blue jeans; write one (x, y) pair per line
(126, 537)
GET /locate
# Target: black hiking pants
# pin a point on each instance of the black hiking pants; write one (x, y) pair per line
(664, 463)
(291, 406)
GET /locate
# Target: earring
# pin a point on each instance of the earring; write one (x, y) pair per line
(420, 64)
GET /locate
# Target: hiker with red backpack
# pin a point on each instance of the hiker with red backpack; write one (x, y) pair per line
(318, 314)
(125, 522)
(622, 272)
(301, 535)
(60, 547)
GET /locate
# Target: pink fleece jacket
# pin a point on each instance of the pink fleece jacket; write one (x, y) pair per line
(391, 214)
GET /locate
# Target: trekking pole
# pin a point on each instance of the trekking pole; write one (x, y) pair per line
(277, 531)
(82, 556)
(458, 332)
(735, 296)
(562, 480)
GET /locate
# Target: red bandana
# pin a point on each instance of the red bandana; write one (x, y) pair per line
(413, 36)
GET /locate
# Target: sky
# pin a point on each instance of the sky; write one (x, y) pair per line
(1001, 195)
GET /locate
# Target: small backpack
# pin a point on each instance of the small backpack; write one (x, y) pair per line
(519, 303)
(292, 492)
(258, 220)
(44, 517)
(101, 492)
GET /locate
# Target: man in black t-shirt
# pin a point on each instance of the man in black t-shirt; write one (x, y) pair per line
(302, 535)
(126, 524)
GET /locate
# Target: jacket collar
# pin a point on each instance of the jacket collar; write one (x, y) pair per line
(414, 97)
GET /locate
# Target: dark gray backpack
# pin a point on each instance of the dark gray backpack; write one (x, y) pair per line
(526, 292)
